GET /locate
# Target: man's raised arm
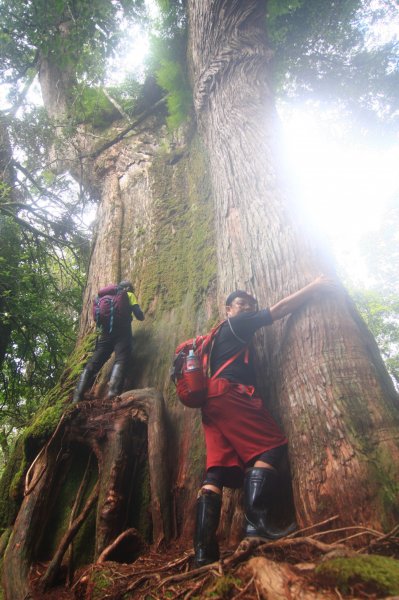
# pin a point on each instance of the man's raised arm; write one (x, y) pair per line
(291, 303)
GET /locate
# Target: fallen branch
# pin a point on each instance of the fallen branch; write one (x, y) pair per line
(391, 535)
(170, 565)
(188, 575)
(349, 528)
(138, 581)
(199, 585)
(244, 589)
(319, 524)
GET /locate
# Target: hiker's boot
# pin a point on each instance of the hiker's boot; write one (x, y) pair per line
(208, 514)
(115, 385)
(259, 485)
(85, 382)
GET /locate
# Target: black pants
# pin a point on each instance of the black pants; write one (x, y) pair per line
(119, 342)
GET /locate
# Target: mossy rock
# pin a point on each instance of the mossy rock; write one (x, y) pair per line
(377, 574)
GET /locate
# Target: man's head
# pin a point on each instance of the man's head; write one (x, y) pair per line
(126, 285)
(240, 301)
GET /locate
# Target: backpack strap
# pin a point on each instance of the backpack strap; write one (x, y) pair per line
(234, 333)
(111, 319)
(228, 362)
(213, 334)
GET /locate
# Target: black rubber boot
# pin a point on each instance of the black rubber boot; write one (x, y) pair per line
(206, 546)
(259, 484)
(116, 380)
(85, 382)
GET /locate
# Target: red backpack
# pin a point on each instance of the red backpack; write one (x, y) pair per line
(191, 367)
(111, 307)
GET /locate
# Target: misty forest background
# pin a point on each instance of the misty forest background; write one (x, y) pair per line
(167, 159)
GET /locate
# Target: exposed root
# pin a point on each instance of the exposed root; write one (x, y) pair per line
(50, 575)
(256, 569)
(132, 533)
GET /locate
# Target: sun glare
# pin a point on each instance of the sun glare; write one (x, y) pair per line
(344, 186)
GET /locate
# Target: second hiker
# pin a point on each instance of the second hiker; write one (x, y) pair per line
(113, 308)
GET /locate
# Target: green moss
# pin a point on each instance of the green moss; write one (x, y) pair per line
(224, 587)
(144, 525)
(180, 256)
(196, 451)
(55, 404)
(172, 78)
(10, 496)
(91, 106)
(382, 470)
(102, 581)
(379, 573)
(385, 475)
(376, 458)
(60, 512)
(84, 543)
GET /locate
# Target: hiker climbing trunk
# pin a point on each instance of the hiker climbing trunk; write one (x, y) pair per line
(320, 369)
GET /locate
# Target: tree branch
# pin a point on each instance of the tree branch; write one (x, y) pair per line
(122, 134)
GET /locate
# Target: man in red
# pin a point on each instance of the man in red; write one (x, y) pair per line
(240, 434)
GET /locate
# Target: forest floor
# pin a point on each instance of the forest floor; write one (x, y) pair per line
(256, 569)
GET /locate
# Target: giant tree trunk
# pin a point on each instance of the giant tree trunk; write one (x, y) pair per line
(320, 367)
(158, 211)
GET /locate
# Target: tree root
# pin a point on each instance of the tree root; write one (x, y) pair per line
(52, 569)
(133, 533)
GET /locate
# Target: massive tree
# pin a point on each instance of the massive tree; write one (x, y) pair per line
(319, 360)
(169, 204)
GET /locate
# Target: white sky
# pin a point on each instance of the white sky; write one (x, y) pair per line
(345, 185)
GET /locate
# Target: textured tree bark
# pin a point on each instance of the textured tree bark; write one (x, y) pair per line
(320, 369)
(279, 581)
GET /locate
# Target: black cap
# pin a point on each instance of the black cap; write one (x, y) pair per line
(126, 285)
(239, 294)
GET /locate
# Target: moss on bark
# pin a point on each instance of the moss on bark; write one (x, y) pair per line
(379, 574)
(55, 404)
(180, 252)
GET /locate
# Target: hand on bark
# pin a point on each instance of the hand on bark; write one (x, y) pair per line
(324, 283)
(288, 305)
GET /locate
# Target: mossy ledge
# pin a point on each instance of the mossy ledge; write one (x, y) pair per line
(375, 574)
